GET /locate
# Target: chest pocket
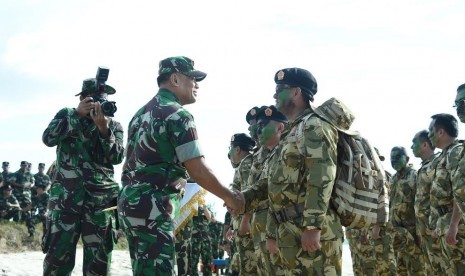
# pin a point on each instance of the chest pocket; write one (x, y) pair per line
(292, 160)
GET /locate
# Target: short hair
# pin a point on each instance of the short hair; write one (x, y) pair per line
(462, 86)
(446, 122)
(423, 137)
(163, 78)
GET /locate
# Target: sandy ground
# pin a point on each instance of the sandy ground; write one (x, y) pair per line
(30, 263)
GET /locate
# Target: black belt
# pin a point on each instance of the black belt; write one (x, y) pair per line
(288, 213)
(261, 207)
(444, 209)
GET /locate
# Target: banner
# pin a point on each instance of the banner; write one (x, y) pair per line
(193, 197)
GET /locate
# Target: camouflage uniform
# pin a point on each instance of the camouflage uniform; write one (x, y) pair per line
(183, 248)
(244, 244)
(384, 252)
(161, 136)
(215, 230)
(23, 195)
(260, 214)
(40, 203)
(10, 212)
(82, 188)
(409, 257)
(447, 178)
(297, 182)
(233, 264)
(201, 244)
(42, 179)
(353, 236)
(430, 246)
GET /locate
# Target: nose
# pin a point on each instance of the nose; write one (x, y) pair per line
(275, 96)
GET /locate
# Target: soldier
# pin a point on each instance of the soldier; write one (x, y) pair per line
(39, 203)
(445, 214)
(304, 228)
(430, 246)
(9, 205)
(215, 228)
(88, 144)
(22, 181)
(5, 172)
(240, 150)
(162, 152)
(201, 243)
(41, 178)
(409, 257)
(183, 247)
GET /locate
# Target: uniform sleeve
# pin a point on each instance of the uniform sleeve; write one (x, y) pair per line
(113, 148)
(65, 123)
(320, 170)
(183, 135)
(271, 226)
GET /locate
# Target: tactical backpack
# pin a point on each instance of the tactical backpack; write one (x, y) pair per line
(359, 194)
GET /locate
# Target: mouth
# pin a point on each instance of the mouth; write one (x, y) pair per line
(194, 93)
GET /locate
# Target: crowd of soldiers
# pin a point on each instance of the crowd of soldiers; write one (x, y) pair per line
(24, 196)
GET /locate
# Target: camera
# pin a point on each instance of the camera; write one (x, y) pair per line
(108, 107)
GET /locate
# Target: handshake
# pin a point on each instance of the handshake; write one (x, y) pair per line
(235, 203)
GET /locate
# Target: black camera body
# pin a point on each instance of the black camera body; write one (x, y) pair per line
(108, 107)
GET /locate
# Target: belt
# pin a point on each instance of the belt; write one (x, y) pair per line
(444, 209)
(288, 213)
(261, 207)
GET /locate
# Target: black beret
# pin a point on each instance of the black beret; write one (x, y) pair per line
(271, 113)
(251, 114)
(242, 139)
(297, 77)
(5, 163)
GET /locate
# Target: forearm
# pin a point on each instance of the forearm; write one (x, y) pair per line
(456, 215)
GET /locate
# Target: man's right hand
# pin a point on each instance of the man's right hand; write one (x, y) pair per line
(235, 203)
(85, 107)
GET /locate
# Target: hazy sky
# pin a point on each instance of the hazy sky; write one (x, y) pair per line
(394, 63)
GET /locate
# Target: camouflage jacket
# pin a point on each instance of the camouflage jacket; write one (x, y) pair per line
(241, 175)
(458, 184)
(162, 135)
(40, 203)
(308, 179)
(441, 188)
(23, 178)
(84, 162)
(422, 198)
(43, 179)
(215, 230)
(402, 198)
(200, 227)
(4, 200)
(259, 159)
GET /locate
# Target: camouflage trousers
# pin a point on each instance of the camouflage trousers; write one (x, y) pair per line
(455, 254)
(247, 257)
(362, 252)
(436, 263)
(62, 234)
(384, 253)
(183, 248)
(26, 216)
(352, 237)
(151, 244)
(409, 257)
(201, 249)
(258, 232)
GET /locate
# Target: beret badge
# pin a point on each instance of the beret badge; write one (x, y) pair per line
(268, 112)
(232, 138)
(281, 75)
(253, 112)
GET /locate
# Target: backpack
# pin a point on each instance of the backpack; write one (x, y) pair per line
(359, 194)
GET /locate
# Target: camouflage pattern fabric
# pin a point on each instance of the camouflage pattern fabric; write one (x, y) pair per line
(409, 257)
(353, 236)
(7, 212)
(384, 252)
(215, 232)
(161, 136)
(430, 246)
(40, 203)
(42, 179)
(293, 179)
(23, 195)
(201, 244)
(442, 197)
(83, 186)
(183, 248)
(230, 245)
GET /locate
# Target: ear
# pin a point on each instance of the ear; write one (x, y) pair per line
(174, 79)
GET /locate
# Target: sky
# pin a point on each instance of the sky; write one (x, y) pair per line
(393, 63)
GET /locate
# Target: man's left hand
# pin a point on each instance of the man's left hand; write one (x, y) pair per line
(311, 240)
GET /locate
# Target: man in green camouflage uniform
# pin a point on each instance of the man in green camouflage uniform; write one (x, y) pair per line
(88, 144)
(445, 214)
(270, 124)
(215, 229)
(430, 246)
(409, 257)
(362, 251)
(201, 243)
(22, 181)
(41, 178)
(5, 172)
(232, 267)
(301, 223)
(39, 204)
(162, 152)
(9, 205)
(241, 147)
(458, 184)
(183, 248)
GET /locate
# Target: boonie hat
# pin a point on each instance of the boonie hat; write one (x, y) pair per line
(337, 114)
(89, 86)
(180, 64)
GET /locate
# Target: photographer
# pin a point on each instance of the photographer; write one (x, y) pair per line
(89, 143)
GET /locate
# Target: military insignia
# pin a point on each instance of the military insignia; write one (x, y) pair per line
(232, 138)
(281, 75)
(253, 112)
(268, 112)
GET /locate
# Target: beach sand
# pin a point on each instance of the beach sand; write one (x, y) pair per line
(30, 263)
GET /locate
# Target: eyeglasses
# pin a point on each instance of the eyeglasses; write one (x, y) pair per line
(281, 87)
